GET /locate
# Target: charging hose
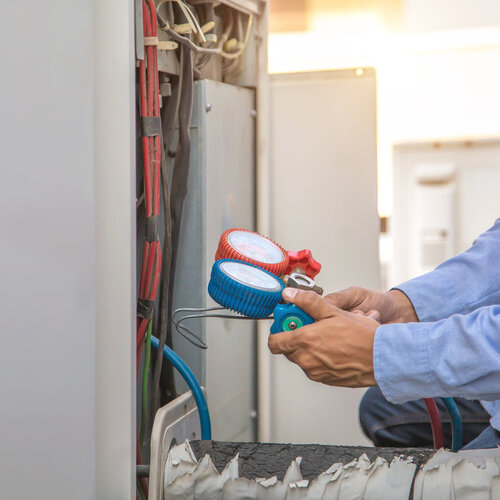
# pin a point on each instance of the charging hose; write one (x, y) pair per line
(437, 428)
(456, 423)
(187, 374)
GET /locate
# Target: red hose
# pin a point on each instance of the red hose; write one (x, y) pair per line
(437, 427)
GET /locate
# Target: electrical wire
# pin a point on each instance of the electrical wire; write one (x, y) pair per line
(141, 494)
(143, 480)
(145, 377)
(199, 397)
(208, 18)
(456, 423)
(437, 428)
(189, 15)
(165, 26)
(151, 147)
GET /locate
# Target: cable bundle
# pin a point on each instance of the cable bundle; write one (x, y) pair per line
(151, 146)
(151, 150)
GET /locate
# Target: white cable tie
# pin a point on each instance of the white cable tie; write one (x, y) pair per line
(167, 45)
(207, 27)
(150, 41)
(231, 44)
(182, 29)
(211, 37)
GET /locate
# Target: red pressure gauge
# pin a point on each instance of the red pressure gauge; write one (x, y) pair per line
(251, 247)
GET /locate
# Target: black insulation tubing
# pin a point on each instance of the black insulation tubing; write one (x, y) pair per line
(181, 163)
(169, 118)
(178, 191)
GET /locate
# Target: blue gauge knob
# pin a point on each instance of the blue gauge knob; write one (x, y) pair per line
(289, 317)
(244, 288)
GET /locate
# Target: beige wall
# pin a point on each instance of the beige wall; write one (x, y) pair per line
(302, 15)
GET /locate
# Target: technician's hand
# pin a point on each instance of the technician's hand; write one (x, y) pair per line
(336, 350)
(389, 307)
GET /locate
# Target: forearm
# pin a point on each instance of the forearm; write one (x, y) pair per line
(458, 356)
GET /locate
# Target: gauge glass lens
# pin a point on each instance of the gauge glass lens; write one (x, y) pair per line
(250, 276)
(255, 247)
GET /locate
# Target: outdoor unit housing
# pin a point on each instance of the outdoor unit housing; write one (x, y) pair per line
(445, 195)
(221, 195)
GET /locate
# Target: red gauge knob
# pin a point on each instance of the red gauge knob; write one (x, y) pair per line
(303, 262)
(251, 247)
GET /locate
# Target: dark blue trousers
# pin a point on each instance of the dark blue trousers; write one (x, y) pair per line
(408, 425)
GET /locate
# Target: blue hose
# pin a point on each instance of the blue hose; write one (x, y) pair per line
(199, 397)
(456, 423)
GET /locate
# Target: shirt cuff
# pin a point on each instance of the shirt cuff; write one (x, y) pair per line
(401, 362)
(493, 408)
(432, 295)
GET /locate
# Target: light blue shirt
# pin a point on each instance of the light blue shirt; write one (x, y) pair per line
(455, 348)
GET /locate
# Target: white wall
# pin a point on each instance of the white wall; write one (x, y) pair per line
(443, 14)
(444, 93)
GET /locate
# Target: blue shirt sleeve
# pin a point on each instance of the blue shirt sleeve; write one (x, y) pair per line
(457, 356)
(462, 284)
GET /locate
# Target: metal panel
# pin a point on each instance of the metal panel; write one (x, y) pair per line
(66, 215)
(220, 196)
(323, 197)
(114, 135)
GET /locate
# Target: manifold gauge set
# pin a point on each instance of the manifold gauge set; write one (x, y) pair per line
(248, 277)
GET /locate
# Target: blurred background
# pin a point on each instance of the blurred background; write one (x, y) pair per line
(409, 91)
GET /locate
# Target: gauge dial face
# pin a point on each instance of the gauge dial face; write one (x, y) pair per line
(255, 247)
(250, 276)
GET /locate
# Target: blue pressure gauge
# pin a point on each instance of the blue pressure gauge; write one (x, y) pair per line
(289, 317)
(244, 288)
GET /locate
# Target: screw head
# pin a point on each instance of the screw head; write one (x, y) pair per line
(208, 107)
(291, 322)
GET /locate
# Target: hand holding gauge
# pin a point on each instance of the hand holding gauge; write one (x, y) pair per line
(248, 277)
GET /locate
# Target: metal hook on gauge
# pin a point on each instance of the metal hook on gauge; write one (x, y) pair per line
(200, 313)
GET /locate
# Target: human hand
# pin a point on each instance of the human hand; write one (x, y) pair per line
(336, 350)
(389, 307)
